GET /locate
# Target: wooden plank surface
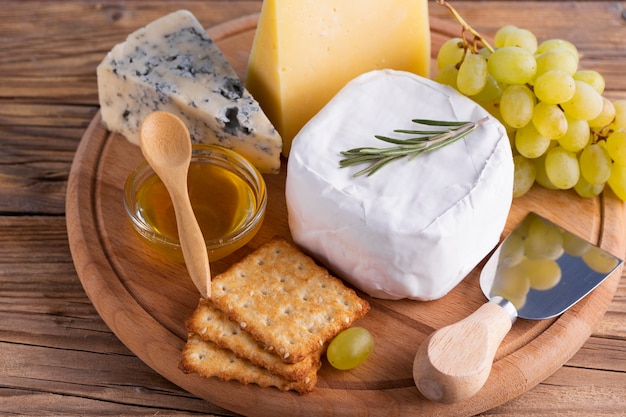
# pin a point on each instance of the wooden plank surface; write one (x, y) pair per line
(56, 355)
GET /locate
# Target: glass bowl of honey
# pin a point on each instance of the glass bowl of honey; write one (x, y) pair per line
(228, 197)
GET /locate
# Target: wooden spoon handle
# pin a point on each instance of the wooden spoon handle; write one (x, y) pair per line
(454, 362)
(192, 241)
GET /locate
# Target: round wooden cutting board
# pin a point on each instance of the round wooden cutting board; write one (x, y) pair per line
(145, 299)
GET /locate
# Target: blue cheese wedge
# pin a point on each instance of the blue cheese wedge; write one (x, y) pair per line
(173, 65)
(417, 227)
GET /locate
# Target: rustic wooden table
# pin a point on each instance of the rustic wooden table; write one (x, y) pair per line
(57, 356)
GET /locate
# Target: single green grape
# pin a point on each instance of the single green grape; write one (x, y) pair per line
(512, 65)
(557, 59)
(523, 175)
(530, 143)
(562, 168)
(501, 34)
(448, 76)
(591, 77)
(523, 38)
(616, 146)
(577, 135)
(586, 190)
(586, 104)
(516, 105)
(606, 116)
(350, 348)
(450, 53)
(490, 93)
(554, 87)
(549, 120)
(551, 44)
(541, 177)
(472, 75)
(595, 164)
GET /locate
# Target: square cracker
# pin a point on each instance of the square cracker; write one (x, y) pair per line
(211, 324)
(286, 301)
(209, 360)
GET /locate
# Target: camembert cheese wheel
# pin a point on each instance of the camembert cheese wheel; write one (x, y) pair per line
(417, 227)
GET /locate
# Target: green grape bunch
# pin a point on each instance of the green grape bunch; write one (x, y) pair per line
(563, 132)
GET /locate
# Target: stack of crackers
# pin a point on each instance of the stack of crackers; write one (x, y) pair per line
(269, 320)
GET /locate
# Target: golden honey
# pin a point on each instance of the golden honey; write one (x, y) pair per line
(221, 201)
(227, 194)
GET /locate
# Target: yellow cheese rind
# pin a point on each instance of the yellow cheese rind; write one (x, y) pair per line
(305, 51)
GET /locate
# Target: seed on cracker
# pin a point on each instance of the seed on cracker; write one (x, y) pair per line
(209, 360)
(286, 301)
(212, 325)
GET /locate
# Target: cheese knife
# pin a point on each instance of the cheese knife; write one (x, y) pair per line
(538, 272)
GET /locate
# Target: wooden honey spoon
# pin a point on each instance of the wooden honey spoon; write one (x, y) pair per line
(165, 143)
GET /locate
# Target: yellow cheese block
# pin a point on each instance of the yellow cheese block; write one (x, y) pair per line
(305, 51)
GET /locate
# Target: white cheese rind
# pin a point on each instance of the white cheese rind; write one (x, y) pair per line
(417, 227)
(173, 65)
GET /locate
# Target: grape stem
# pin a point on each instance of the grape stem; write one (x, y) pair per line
(466, 28)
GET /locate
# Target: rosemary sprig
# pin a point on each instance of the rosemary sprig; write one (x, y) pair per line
(425, 141)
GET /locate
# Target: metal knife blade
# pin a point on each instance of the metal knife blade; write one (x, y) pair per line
(544, 269)
(539, 271)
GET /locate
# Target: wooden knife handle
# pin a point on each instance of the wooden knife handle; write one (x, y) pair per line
(454, 362)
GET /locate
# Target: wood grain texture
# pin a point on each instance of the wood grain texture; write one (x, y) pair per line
(57, 357)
